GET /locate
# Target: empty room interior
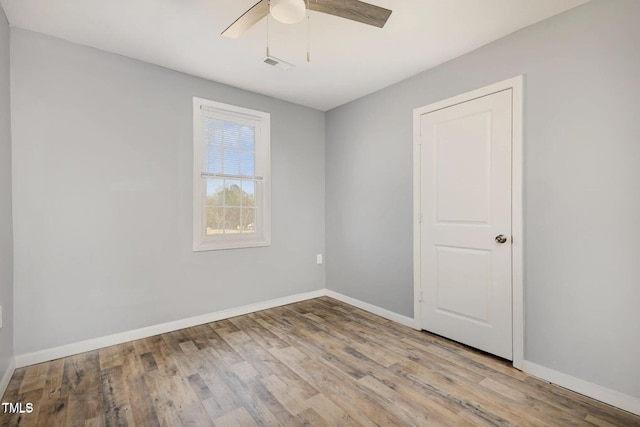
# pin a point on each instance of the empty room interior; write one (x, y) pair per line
(320, 212)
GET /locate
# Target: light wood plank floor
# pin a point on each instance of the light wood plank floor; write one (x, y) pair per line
(319, 362)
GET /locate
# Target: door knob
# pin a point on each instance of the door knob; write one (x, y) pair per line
(500, 238)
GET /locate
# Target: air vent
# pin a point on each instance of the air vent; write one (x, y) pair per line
(278, 63)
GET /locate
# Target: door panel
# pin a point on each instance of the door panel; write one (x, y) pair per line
(463, 144)
(465, 204)
(463, 292)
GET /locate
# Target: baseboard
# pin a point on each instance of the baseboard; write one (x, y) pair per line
(6, 377)
(96, 343)
(382, 312)
(594, 391)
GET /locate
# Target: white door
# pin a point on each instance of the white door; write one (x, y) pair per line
(465, 230)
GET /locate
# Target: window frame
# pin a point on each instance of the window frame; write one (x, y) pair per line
(261, 122)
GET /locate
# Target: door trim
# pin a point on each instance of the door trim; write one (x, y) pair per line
(517, 279)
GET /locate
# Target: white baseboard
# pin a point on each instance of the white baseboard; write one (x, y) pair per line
(594, 391)
(122, 337)
(382, 312)
(6, 377)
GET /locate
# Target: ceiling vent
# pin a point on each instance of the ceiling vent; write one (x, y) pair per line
(278, 63)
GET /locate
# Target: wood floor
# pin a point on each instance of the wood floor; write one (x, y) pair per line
(319, 363)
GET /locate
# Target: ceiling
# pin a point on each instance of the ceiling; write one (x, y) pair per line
(348, 59)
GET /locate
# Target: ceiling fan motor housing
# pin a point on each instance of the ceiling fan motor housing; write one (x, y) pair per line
(287, 11)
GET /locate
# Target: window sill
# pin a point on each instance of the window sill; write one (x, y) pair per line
(230, 244)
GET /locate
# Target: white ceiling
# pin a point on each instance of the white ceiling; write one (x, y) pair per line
(348, 59)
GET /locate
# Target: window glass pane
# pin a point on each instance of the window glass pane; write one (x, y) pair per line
(247, 138)
(231, 220)
(213, 130)
(213, 159)
(231, 162)
(232, 192)
(215, 221)
(231, 135)
(248, 194)
(215, 192)
(248, 220)
(247, 163)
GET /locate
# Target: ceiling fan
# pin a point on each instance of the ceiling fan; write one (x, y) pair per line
(292, 11)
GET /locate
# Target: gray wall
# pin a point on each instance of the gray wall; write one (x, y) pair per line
(6, 233)
(582, 187)
(102, 173)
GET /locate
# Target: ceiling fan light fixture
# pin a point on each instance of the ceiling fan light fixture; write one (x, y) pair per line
(287, 11)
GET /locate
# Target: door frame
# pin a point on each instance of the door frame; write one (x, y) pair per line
(517, 231)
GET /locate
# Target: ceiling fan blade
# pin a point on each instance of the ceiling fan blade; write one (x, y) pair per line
(247, 20)
(354, 10)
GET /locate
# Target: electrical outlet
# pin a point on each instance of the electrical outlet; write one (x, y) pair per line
(319, 259)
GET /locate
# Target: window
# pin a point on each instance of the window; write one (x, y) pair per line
(231, 187)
